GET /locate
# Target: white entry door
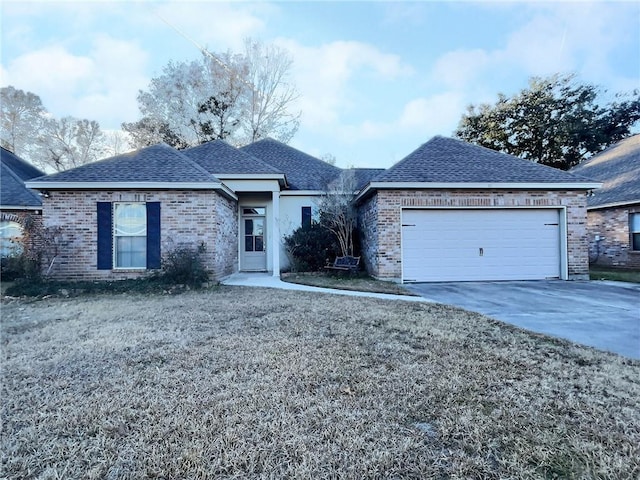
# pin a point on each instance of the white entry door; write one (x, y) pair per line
(492, 244)
(253, 255)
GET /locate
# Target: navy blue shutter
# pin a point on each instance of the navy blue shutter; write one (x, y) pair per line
(306, 216)
(105, 236)
(153, 235)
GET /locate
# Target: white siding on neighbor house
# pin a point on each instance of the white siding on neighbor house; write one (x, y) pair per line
(481, 244)
(291, 217)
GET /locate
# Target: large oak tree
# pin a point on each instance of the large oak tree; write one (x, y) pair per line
(556, 121)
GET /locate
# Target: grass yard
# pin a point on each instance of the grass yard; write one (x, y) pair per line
(618, 275)
(257, 383)
(344, 281)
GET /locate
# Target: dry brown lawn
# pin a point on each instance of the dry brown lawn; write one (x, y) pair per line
(344, 281)
(258, 383)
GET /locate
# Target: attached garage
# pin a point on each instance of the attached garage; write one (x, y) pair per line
(452, 211)
(481, 244)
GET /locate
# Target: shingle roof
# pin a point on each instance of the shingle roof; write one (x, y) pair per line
(365, 175)
(158, 163)
(618, 168)
(303, 171)
(448, 160)
(218, 157)
(14, 172)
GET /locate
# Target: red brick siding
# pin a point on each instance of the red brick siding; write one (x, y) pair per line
(187, 217)
(614, 247)
(384, 253)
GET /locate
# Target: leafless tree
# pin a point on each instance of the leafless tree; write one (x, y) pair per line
(338, 212)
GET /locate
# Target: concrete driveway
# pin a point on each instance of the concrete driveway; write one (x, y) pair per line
(605, 315)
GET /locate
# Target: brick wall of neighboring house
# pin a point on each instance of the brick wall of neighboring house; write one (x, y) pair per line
(611, 225)
(384, 252)
(186, 218)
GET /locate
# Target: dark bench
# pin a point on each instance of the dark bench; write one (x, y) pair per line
(345, 264)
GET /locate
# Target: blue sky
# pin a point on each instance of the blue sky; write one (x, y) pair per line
(377, 79)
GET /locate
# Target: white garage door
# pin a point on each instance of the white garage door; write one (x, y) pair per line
(455, 245)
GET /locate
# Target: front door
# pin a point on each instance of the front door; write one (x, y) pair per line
(253, 251)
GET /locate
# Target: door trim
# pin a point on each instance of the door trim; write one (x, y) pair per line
(261, 213)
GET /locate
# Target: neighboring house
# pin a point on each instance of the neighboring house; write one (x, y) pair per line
(18, 204)
(449, 211)
(613, 211)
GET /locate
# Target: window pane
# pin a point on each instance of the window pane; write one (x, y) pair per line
(131, 252)
(634, 223)
(248, 227)
(254, 211)
(248, 243)
(259, 244)
(130, 219)
(258, 225)
(636, 241)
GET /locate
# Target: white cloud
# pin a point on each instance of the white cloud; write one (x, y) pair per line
(50, 69)
(101, 85)
(323, 74)
(436, 114)
(460, 67)
(215, 25)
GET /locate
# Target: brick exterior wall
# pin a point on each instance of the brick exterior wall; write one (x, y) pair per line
(368, 228)
(611, 225)
(186, 217)
(380, 222)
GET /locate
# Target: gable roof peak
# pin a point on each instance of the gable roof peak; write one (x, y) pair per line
(451, 160)
(303, 171)
(159, 163)
(219, 157)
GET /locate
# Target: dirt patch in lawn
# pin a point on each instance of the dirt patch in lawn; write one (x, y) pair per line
(360, 283)
(258, 383)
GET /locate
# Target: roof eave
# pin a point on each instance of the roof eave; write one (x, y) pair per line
(613, 204)
(280, 177)
(53, 185)
(475, 186)
(20, 207)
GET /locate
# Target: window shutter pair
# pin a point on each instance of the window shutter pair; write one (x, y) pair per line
(105, 235)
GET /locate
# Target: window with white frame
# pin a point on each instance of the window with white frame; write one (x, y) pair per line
(634, 230)
(130, 235)
(10, 238)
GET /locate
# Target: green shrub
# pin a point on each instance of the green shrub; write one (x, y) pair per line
(19, 267)
(182, 269)
(311, 247)
(40, 287)
(184, 266)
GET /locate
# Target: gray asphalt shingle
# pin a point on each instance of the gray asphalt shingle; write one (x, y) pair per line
(303, 171)
(14, 172)
(218, 157)
(365, 175)
(447, 160)
(618, 168)
(158, 163)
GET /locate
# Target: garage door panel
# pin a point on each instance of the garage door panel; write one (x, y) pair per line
(452, 245)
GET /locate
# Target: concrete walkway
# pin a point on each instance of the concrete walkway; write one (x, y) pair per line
(247, 279)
